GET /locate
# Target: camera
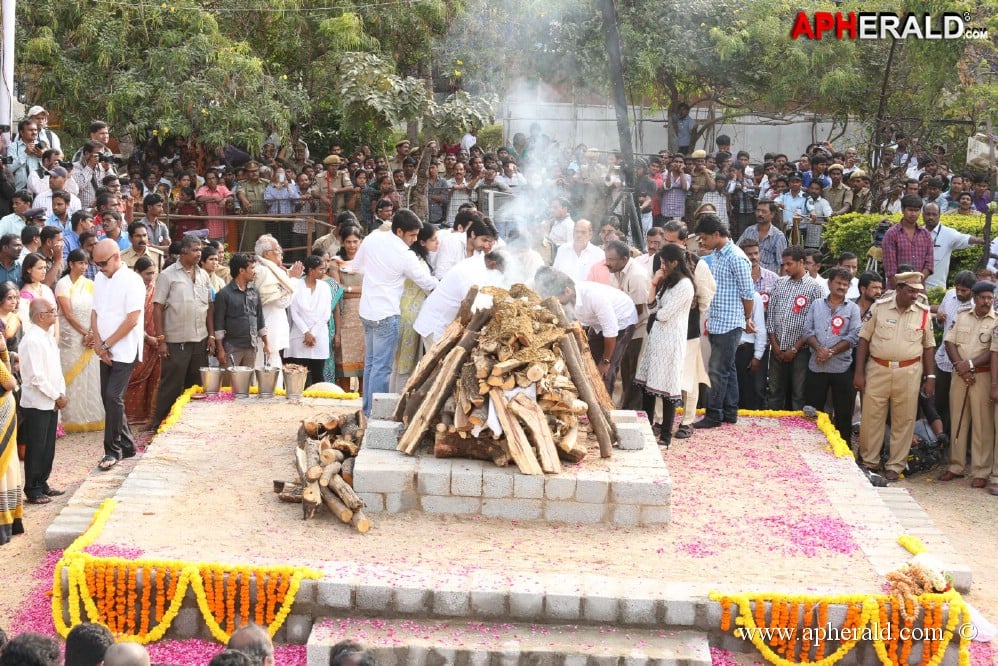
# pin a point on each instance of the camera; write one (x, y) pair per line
(65, 164)
(8, 159)
(879, 231)
(101, 157)
(41, 145)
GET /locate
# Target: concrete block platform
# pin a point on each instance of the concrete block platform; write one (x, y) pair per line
(472, 642)
(631, 488)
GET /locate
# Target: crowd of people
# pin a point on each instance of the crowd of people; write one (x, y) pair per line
(91, 644)
(115, 287)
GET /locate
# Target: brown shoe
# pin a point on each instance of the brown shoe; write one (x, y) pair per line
(978, 483)
(891, 475)
(949, 476)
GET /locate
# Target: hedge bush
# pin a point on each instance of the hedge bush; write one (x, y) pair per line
(853, 233)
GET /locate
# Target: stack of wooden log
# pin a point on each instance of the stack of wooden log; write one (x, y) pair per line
(520, 341)
(324, 458)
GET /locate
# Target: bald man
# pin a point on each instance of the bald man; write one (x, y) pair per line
(126, 654)
(117, 337)
(253, 641)
(576, 258)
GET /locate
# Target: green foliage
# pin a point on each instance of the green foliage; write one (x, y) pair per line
(491, 137)
(853, 233)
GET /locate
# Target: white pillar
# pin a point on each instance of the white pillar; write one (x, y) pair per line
(7, 9)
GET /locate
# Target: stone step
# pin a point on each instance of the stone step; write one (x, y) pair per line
(433, 643)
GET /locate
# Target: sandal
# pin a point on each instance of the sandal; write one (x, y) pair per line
(684, 432)
(106, 463)
(41, 499)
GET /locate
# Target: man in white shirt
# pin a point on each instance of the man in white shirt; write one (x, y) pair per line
(43, 394)
(478, 237)
(562, 224)
(116, 336)
(944, 241)
(576, 259)
(653, 243)
(442, 305)
(607, 313)
(57, 183)
(633, 279)
(453, 242)
(386, 261)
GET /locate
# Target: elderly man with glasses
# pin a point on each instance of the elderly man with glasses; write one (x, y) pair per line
(42, 396)
(275, 285)
(116, 336)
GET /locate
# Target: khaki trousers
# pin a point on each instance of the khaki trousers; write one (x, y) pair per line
(976, 421)
(895, 389)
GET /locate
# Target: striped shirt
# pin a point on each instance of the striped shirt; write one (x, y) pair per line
(789, 304)
(770, 248)
(733, 275)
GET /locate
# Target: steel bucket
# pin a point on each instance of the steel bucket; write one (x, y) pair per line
(266, 380)
(211, 380)
(241, 377)
(294, 382)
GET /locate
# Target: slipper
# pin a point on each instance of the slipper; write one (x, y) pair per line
(106, 463)
(41, 499)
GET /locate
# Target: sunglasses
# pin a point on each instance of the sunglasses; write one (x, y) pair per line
(103, 264)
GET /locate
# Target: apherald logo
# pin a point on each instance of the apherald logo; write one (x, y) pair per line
(880, 25)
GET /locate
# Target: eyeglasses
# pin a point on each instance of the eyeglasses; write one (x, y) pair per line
(103, 264)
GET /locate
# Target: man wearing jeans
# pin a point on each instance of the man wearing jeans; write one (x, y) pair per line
(730, 314)
(386, 262)
(116, 336)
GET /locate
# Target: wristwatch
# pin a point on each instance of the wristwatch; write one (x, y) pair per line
(606, 360)
(105, 346)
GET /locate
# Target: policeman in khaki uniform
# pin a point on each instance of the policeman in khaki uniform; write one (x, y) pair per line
(331, 186)
(894, 357)
(968, 344)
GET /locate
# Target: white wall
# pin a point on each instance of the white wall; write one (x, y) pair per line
(596, 126)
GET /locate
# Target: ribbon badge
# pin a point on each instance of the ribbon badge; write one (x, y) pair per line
(837, 322)
(799, 304)
(765, 303)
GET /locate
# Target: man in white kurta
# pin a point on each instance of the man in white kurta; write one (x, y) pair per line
(576, 258)
(276, 287)
(442, 305)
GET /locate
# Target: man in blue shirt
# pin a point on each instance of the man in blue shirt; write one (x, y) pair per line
(729, 315)
(10, 252)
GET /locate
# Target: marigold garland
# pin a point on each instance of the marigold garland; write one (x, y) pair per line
(106, 588)
(838, 446)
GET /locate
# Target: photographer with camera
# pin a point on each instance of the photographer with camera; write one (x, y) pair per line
(25, 154)
(87, 174)
(41, 117)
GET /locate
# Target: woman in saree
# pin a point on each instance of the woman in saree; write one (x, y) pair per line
(11, 483)
(74, 293)
(141, 394)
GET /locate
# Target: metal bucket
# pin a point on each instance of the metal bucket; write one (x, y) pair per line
(294, 382)
(241, 377)
(266, 380)
(211, 380)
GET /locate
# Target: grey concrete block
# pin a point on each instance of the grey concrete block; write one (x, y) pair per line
(307, 592)
(559, 487)
(638, 611)
(488, 603)
(450, 505)
(413, 600)
(597, 608)
(451, 603)
(513, 509)
(592, 486)
(407, 500)
(466, 478)
(384, 472)
(433, 476)
(680, 612)
(374, 597)
(563, 606)
(528, 487)
(526, 598)
(335, 593)
(625, 514)
(374, 502)
(630, 436)
(187, 624)
(383, 405)
(620, 416)
(382, 435)
(654, 489)
(655, 515)
(297, 628)
(497, 482)
(575, 512)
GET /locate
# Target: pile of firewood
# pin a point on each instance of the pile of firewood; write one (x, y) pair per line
(324, 459)
(520, 341)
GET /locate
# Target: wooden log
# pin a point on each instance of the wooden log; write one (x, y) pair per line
(452, 445)
(484, 388)
(509, 383)
(311, 453)
(569, 447)
(346, 470)
(447, 411)
(290, 496)
(310, 494)
(415, 401)
(360, 522)
(501, 368)
(464, 312)
(597, 419)
(426, 367)
(478, 416)
(348, 448)
(536, 372)
(467, 386)
(521, 379)
(335, 505)
(345, 492)
(483, 364)
(349, 425)
(327, 473)
(280, 485)
(447, 377)
(329, 455)
(496, 380)
(516, 439)
(587, 367)
(537, 426)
